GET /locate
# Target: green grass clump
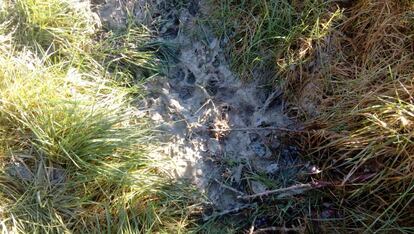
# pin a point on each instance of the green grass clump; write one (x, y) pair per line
(129, 55)
(56, 26)
(74, 155)
(261, 32)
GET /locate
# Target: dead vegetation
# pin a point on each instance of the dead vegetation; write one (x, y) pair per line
(347, 69)
(355, 93)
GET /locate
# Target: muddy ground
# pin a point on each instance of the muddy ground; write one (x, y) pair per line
(229, 138)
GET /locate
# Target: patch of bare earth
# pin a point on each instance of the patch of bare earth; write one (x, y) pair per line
(229, 138)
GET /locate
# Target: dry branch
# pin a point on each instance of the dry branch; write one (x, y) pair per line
(294, 188)
(255, 129)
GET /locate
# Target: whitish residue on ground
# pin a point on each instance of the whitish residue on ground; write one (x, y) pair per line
(213, 124)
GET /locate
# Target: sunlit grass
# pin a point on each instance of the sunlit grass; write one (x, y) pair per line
(73, 149)
(362, 127)
(55, 26)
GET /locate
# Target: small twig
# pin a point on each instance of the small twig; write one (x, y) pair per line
(278, 229)
(205, 104)
(251, 230)
(237, 209)
(204, 91)
(229, 188)
(254, 129)
(303, 187)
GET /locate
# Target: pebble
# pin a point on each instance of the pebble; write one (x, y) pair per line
(199, 172)
(258, 187)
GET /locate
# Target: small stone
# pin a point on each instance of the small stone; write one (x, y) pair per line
(258, 187)
(111, 19)
(199, 172)
(175, 105)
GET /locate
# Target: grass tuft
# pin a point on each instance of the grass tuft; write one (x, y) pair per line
(261, 32)
(361, 115)
(74, 153)
(54, 25)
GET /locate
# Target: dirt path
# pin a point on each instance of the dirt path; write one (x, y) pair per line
(225, 136)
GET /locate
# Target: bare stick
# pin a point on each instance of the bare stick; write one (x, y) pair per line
(254, 129)
(205, 104)
(229, 188)
(303, 187)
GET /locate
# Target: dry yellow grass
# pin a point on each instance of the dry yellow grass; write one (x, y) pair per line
(356, 96)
